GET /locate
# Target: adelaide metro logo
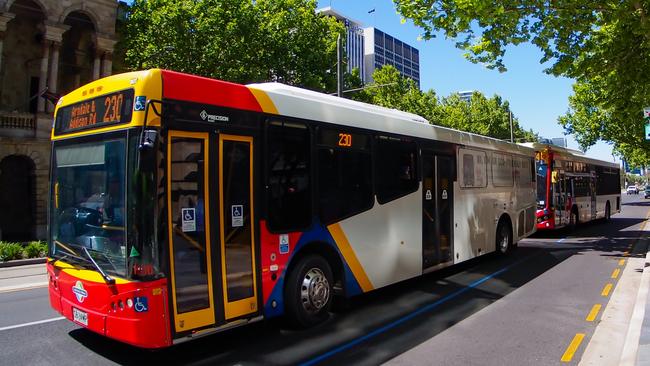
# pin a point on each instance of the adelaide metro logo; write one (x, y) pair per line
(79, 292)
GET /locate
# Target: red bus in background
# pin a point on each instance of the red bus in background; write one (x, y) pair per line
(572, 188)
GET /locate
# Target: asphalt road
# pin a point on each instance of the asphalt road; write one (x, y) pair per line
(522, 309)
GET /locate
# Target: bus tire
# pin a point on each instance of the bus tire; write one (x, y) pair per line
(309, 292)
(573, 218)
(608, 212)
(503, 237)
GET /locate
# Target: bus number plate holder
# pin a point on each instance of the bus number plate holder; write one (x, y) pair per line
(79, 316)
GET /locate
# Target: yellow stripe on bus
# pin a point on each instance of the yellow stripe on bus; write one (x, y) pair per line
(350, 258)
(264, 100)
(84, 274)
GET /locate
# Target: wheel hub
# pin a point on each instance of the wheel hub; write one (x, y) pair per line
(314, 291)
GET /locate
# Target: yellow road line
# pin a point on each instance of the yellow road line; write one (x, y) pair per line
(615, 273)
(593, 313)
(621, 262)
(573, 347)
(606, 290)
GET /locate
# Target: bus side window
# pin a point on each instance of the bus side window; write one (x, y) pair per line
(344, 178)
(288, 194)
(395, 168)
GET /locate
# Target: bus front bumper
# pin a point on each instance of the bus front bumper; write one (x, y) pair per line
(130, 312)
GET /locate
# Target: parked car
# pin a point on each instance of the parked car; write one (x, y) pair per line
(646, 193)
(632, 189)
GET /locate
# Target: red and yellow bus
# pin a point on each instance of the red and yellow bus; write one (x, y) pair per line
(182, 206)
(573, 188)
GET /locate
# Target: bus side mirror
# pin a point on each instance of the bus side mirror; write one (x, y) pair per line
(147, 139)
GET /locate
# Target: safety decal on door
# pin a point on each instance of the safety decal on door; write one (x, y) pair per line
(237, 214)
(188, 219)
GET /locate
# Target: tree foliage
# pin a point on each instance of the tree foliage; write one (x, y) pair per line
(235, 40)
(484, 116)
(604, 45)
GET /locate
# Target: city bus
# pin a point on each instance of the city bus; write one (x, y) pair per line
(183, 206)
(573, 188)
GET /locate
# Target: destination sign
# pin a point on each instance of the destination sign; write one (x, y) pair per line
(98, 112)
(342, 139)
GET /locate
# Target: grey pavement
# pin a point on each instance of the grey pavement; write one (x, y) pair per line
(22, 277)
(620, 334)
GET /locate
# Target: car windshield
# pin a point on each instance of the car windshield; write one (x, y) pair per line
(88, 204)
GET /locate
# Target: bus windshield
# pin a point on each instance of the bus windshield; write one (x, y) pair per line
(88, 204)
(541, 168)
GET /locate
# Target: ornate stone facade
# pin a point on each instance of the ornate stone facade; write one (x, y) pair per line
(54, 44)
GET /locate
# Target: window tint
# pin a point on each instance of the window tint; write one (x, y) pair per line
(474, 168)
(344, 182)
(523, 171)
(289, 186)
(395, 168)
(608, 180)
(501, 170)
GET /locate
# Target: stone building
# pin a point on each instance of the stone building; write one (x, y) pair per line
(54, 44)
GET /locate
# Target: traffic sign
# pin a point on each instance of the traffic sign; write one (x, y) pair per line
(646, 113)
(647, 131)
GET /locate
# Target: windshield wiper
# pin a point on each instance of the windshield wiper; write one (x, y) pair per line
(109, 280)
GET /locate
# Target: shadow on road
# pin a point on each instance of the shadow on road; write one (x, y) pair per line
(387, 322)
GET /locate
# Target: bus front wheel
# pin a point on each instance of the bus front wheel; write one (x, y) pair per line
(308, 295)
(503, 237)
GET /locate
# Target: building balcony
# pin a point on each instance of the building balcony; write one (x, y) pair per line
(17, 124)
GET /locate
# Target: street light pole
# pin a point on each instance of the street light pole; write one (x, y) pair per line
(511, 134)
(339, 68)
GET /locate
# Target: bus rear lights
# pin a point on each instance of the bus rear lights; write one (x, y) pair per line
(113, 307)
(120, 304)
(129, 303)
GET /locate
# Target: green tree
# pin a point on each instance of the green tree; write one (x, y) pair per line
(484, 116)
(604, 45)
(236, 40)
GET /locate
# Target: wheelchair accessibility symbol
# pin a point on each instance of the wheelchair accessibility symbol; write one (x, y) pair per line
(140, 304)
(188, 218)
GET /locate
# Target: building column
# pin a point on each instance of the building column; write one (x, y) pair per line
(42, 77)
(97, 65)
(54, 71)
(106, 44)
(4, 19)
(108, 64)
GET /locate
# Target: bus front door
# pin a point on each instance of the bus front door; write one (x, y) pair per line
(211, 231)
(237, 234)
(188, 202)
(437, 203)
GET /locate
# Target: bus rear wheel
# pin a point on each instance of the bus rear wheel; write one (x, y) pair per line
(573, 219)
(503, 238)
(308, 295)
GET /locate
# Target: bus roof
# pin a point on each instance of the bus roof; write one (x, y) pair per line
(301, 103)
(576, 155)
(280, 99)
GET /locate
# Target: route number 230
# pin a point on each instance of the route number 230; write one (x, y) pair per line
(345, 139)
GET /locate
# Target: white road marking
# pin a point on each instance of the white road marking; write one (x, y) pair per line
(32, 323)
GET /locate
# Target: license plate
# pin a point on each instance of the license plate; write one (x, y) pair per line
(79, 316)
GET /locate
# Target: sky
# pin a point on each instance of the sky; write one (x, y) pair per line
(536, 99)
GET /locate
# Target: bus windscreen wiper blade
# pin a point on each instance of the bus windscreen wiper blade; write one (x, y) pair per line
(110, 280)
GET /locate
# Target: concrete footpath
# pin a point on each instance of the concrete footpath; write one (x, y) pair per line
(23, 277)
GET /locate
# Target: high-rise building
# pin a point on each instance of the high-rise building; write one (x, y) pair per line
(354, 43)
(384, 49)
(466, 95)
